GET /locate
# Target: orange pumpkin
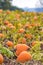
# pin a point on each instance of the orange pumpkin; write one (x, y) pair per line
(1, 10)
(21, 30)
(35, 18)
(1, 59)
(9, 25)
(6, 22)
(8, 12)
(32, 24)
(33, 43)
(18, 15)
(24, 56)
(28, 36)
(23, 40)
(9, 43)
(20, 48)
(13, 27)
(1, 35)
(28, 25)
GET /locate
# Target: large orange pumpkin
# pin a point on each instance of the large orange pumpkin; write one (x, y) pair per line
(24, 56)
(20, 48)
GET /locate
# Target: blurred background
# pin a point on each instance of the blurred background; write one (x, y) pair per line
(8, 4)
(23, 5)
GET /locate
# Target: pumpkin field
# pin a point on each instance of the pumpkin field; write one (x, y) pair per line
(21, 38)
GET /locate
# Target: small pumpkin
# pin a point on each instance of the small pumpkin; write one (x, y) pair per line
(9, 43)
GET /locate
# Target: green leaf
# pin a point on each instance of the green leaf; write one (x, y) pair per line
(6, 51)
(37, 56)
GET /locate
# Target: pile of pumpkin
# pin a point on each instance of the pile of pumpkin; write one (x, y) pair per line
(22, 52)
(20, 31)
